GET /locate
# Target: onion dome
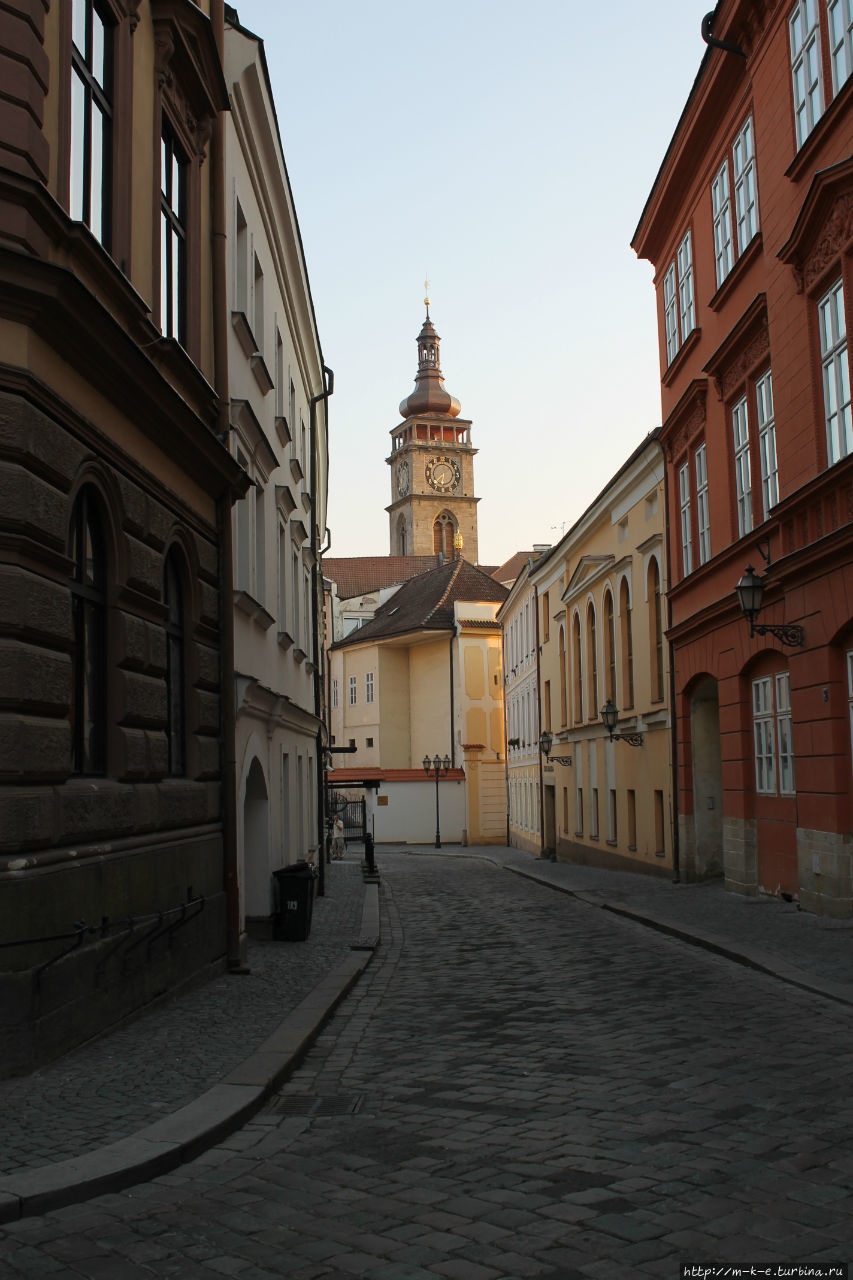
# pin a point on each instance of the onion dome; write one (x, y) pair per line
(429, 395)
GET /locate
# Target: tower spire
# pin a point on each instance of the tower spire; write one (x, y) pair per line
(429, 395)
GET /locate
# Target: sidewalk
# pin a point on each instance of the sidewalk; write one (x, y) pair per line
(768, 934)
(159, 1091)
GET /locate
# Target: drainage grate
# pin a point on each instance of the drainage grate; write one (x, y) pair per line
(309, 1104)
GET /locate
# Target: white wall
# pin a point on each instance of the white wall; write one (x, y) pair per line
(409, 816)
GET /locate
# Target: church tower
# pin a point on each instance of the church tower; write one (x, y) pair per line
(433, 508)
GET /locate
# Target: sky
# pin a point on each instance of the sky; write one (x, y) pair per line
(506, 152)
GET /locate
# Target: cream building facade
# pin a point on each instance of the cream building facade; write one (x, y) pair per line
(279, 390)
(519, 625)
(600, 601)
(424, 678)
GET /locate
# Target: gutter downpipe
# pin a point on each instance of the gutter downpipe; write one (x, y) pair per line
(235, 949)
(539, 725)
(317, 592)
(506, 731)
(673, 731)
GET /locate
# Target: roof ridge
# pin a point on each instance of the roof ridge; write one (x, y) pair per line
(457, 566)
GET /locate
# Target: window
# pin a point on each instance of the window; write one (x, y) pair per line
(659, 823)
(767, 443)
(91, 118)
(610, 646)
(631, 797)
(579, 811)
(241, 262)
(627, 644)
(762, 722)
(746, 206)
(593, 815)
(173, 599)
(546, 616)
(562, 657)
(703, 511)
(656, 632)
(840, 16)
(743, 481)
(805, 68)
(577, 709)
(258, 326)
(334, 694)
(282, 575)
(546, 705)
(368, 687)
(173, 237)
(836, 373)
(368, 742)
(592, 663)
(686, 533)
(353, 691)
(784, 734)
(89, 627)
(678, 299)
(850, 694)
(279, 375)
(611, 816)
(722, 211)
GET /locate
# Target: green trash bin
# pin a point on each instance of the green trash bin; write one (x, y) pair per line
(294, 889)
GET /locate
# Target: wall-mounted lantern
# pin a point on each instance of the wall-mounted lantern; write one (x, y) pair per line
(610, 715)
(750, 597)
(546, 741)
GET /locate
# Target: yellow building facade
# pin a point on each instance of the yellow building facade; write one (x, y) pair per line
(600, 597)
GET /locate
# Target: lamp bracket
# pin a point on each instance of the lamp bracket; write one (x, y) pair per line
(790, 633)
(559, 759)
(763, 546)
(633, 739)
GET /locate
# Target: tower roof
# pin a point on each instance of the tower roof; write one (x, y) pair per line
(429, 395)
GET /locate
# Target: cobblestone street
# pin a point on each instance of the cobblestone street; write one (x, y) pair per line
(519, 1085)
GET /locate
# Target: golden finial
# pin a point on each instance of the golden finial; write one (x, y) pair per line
(426, 299)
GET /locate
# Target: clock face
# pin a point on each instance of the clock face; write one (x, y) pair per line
(443, 474)
(403, 478)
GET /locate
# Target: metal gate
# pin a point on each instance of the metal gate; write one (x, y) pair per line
(353, 814)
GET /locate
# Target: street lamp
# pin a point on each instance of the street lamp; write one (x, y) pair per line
(438, 767)
(750, 597)
(610, 715)
(546, 741)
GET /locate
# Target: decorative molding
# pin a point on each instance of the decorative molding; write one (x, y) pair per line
(686, 419)
(837, 234)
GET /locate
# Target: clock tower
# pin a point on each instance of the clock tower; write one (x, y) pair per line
(433, 508)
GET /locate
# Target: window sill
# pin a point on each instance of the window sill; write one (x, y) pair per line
(243, 330)
(296, 469)
(614, 844)
(300, 655)
(285, 640)
(752, 251)
(282, 430)
(680, 357)
(253, 609)
(285, 499)
(262, 373)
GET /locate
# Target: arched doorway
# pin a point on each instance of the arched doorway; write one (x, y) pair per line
(707, 855)
(256, 852)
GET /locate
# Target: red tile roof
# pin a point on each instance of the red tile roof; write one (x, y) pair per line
(359, 575)
(344, 777)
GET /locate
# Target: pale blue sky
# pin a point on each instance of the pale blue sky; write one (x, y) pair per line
(508, 150)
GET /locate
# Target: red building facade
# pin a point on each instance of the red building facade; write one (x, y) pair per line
(749, 226)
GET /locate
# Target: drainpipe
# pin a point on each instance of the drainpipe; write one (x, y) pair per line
(539, 725)
(317, 592)
(452, 709)
(228, 711)
(506, 729)
(673, 731)
(707, 27)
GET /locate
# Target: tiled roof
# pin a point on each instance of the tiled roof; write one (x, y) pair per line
(425, 603)
(509, 571)
(359, 575)
(344, 777)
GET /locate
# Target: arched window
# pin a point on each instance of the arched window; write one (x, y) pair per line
(627, 644)
(655, 632)
(577, 709)
(176, 719)
(591, 663)
(401, 536)
(442, 534)
(609, 647)
(89, 625)
(561, 651)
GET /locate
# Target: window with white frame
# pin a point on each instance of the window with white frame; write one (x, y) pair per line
(767, 442)
(762, 725)
(836, 373)
(258, 301)
(784, 735)
(722, 210)
(703, 511)
(686, 532)
(805, 67)
(353, 691)
(684, 260)
(334, 693)
(746, 203)
(283, 541)
(91, 117)
(679, 308)
(368, 687)
(743, 479)
(773, 736)
(241, 260)
(840, 18)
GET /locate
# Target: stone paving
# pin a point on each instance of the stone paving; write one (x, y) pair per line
(164, 1059)
(520, 1085)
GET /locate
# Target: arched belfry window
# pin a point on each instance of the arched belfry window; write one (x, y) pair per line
(402, 549)
(176, 720)
(89, 627)
(443, 531)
